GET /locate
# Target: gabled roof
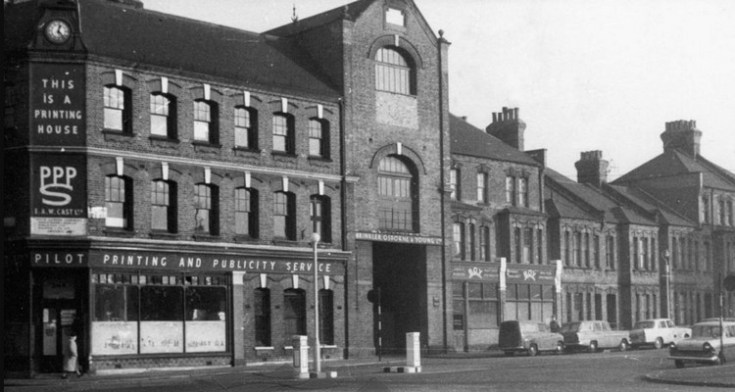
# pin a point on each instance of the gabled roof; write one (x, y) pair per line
(672, 163)
(349, 11)
(648, 203)
(142, 38)
(466, 139)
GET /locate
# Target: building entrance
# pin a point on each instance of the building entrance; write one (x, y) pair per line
(57, 316)
(399, 271)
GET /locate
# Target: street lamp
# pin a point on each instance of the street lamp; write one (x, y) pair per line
(667, 257)
(315, 237)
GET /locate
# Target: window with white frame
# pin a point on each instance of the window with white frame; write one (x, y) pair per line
(283, 133)
(206, 205)
(284, 220)
(393, 71)
(117, 109)
(118, 202)
(205, 121)
(163, 206)
(246, 133)
(246, 212)
(318, 138)
(482, 195)
(163, 115)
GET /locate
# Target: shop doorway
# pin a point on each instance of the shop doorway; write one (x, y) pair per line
(58, 314)
(399, 271)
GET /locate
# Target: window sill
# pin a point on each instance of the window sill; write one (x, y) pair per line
(164, 235)
(206, 237)
(264, 348)
(113, 232)
(244, 238)
(119, 136)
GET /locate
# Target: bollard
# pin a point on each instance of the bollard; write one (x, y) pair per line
(413, 352)
(300, 355)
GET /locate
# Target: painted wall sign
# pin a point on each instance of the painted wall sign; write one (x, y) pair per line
(401, 238)
(59, 259)
(59, 198)
(490, 272)
(58, 105)
(209, 262)
(531, 274)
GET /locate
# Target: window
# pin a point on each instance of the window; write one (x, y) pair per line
(704, 213)
(485, 243)
(529, 302)
(206, 122)
(527, 246)
(397, 195)
(729, 213)
(284, 211)
(587, 250)
(539, 246)
(206, 205)
(472, 241)
(395, 17)
(294, 313)
(454, 184)
(262, 316)
(510, 190)
(482, 196)
(567, 248)
(118, 202)
(482, 303)
(723, 212)
(523, 192)
(246, 132)
(117, 113)
(163, 116)
(645, 260)
(596, 250)
(163, 206)
(326, 317)
(578, 249)
(283, 134)
(321, 217)
(459, 240)
(636, 253)
(517, 240)
(393, 72)
(246, 212)
(318, 138)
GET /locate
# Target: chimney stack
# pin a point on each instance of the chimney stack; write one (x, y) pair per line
(682, 135)
(592, 169)
(508, 127)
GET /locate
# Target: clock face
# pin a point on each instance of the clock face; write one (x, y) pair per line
(57, 31)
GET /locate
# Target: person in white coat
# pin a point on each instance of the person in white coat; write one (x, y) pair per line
(71, 357)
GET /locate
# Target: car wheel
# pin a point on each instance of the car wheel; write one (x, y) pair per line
(623, 346)
(532, 350)
(509, 353)
(658, 344)
(679, 363)
(559, 348)
(593, 347)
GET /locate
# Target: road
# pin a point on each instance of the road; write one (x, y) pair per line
(608, 371)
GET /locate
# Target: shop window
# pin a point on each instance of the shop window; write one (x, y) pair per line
(397, 194)
(454, 184)
(161, 315)
(206, 122)
(321, 217)
(318, 138)
(246, 130)
(482, 300)
(262, 315)
(119, 202)
(246, 212)
(283, 134)
(116, 303)
(394, 71)
(163, 115)
(206, 202)
(482, 196)
(163, 206)
(206, 318)
(117, 109)
(326, 317)
(459, 240)
(284, 215)
(485, 243)
(294, 313)
(529, 302)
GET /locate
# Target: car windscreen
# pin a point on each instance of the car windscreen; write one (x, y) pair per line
(706, 331)
(571, 327)
(644, 324)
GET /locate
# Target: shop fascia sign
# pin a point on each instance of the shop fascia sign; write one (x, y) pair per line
(398, 238)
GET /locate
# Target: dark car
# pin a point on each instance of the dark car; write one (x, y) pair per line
(530, 337)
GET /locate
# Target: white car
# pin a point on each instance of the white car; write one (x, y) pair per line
(657, 333)
(704, 346)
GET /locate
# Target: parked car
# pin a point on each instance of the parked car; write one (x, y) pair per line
(657, 333)
(593, 335)
(704, 345)
(530, 337)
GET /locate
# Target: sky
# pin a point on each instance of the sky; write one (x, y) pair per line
(585, 74)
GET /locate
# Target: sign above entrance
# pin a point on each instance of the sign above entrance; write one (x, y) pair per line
(531, 274)
(400, 238)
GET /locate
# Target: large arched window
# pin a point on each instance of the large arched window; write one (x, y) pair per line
(394, 71)
(397, 192)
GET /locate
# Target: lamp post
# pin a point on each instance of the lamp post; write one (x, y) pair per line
(667, 257)
(315, 237)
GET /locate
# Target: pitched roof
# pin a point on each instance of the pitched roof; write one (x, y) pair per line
(466, 139)
(648, 203)
(148, 38)
(672, 163)
(348, 11)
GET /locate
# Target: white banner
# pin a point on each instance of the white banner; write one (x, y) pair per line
(114, 337)
(205, 336)
(161, 337)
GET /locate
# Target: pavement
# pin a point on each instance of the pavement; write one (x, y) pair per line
(710, 376)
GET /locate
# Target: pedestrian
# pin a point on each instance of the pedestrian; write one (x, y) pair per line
(553, 325)
(71, 357)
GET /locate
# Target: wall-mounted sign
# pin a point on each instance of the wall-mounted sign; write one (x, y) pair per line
(59, 197)
(58, 105)
(400, 238)
(489, 272)
(531, 274)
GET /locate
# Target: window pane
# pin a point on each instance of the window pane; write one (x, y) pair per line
(113, 119)
(294, 313)
(201, 131)
(159, 125)
(262, 315)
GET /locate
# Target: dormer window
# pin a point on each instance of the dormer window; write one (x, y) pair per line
(395, 16)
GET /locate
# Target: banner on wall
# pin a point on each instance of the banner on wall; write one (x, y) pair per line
(59, 196)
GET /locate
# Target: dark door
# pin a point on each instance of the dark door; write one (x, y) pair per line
(57, 314)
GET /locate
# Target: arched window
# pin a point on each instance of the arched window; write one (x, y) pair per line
(394, 71)
(397, 192)
(119, 202)
(163, 206)
(459, 240)
(246, 212)
(294, 313)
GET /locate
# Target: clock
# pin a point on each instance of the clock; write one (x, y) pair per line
(57, 31)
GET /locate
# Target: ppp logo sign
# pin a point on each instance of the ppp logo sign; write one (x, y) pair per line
(56, 184)
(60, 185)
